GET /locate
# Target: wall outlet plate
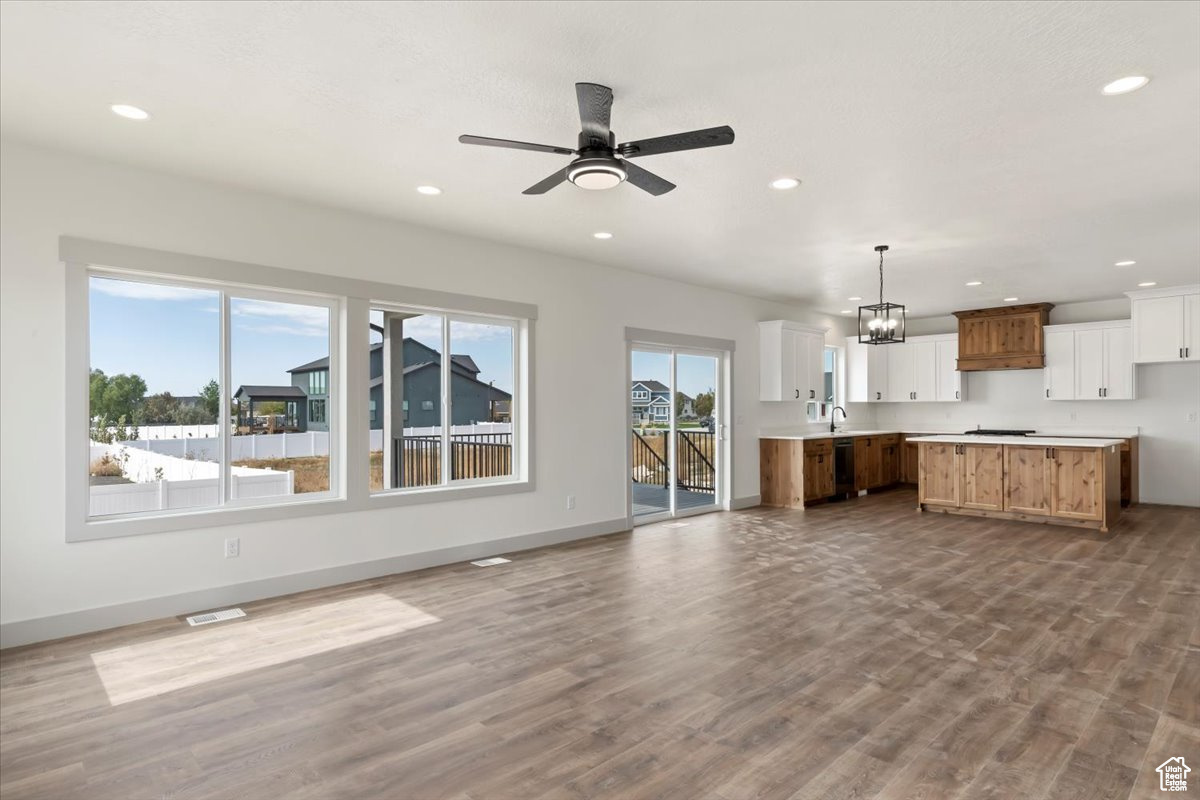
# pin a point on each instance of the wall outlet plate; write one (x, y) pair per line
(233, 548)
(570, 502)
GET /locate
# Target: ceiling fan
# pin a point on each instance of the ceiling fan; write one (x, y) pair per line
(602, 163)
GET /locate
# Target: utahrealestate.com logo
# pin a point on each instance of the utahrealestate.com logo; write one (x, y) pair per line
(1173, 775)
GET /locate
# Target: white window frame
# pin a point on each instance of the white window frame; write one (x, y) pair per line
(839, 392)
(346, 409)
(517, 476)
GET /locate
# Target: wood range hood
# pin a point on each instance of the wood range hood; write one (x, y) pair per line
(1007, 337)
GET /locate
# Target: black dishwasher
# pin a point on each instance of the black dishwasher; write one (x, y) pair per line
(843, 467)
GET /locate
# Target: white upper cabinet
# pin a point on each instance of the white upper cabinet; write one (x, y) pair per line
(922, 369)
(791, 361)
(866, 372)
(1166, 324)
(1092, 361)
(1059, 373)
(949, 379)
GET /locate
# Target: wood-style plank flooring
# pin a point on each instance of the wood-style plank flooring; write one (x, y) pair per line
(853, 650)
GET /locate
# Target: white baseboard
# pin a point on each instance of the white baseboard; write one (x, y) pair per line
(738, 503)
(14, 634)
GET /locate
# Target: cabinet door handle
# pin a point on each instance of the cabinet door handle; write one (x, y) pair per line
(1047, 394)
(1100, 393)
(812, 394)
(820, 459)
(1047, 452)
(956, 397)
(879, 395)
(797, 394)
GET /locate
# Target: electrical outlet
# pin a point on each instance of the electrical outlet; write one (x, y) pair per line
(570, 502)
(741, 420)
(1074, 416)
(1191, 416)
(233, 548)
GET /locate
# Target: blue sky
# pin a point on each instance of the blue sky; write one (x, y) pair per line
(697, 374)
(170, 335)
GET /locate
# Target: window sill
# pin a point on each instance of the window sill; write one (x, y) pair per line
(441, 494)
(112, 528)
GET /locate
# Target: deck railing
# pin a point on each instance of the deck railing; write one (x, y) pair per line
(417, 460)
(694, 458)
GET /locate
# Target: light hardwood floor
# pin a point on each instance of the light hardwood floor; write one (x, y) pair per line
(851, 650)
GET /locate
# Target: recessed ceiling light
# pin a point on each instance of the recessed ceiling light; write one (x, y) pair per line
(856, 297)
(601, 235)
(429, 190)
(974, 283)
(129, 112)
(1124, 264)
(1011, 299)
(1130, 83)
(847, 311)
(785, 183)
(1144, 284)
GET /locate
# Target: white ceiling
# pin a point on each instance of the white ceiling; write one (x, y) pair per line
(971, 137)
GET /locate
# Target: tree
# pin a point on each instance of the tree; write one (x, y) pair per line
(116, 396)
(159, 409)
(210, 399)
(705, 402)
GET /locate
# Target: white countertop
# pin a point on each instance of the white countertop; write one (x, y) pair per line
(1032, 441)
(928, 430)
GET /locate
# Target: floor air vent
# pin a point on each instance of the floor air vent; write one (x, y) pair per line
(491, 562)
(216, 616)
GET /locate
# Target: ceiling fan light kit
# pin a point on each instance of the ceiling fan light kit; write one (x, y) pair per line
(602, 163)
(882, 322)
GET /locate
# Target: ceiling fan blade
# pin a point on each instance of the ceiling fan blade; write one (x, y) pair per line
(595, 111)
(692, 140)
(645, 180)
(545, 185)
(537, 148)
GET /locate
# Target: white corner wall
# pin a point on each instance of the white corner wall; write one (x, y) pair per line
(579, 391)
(1165, 412)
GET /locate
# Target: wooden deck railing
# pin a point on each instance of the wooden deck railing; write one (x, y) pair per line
(417, 460)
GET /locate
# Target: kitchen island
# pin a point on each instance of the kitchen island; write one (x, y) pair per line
(1045, 479)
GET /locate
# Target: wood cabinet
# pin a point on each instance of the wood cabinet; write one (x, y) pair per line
(1009, 337)
(1027, 470)
(1092, 361)
(781, 473)
(921, 369)
(818, 469)
(1166, 324)
(1064, 485)
(982, 474)
(791, 361)
(890, 457)
(909, 458)
(1076, 483)
(940, 480)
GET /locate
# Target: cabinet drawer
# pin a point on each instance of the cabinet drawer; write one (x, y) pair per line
(818, 446)
(889, 439)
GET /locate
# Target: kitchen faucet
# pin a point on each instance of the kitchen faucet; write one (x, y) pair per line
(833, 418)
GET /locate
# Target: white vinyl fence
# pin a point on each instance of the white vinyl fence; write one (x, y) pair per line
(281, 445)
(162, 482)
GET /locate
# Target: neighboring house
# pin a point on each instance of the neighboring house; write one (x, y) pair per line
(650, 401)
(473, 400)
(689, 407)
(306, 401)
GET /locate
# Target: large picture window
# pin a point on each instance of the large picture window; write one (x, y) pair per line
(199, 397)
(204, 392)
(446, 386)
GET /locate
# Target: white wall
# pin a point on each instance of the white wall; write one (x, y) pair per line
(1167, 395)
(579, 374)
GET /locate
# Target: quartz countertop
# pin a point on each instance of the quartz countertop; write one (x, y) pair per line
(1032, 441)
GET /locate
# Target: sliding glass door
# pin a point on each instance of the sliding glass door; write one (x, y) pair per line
(675, 433)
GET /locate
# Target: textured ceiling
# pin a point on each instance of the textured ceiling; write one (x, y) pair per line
(971, 137)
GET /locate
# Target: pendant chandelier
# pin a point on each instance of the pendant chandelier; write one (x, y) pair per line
(882, 323)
